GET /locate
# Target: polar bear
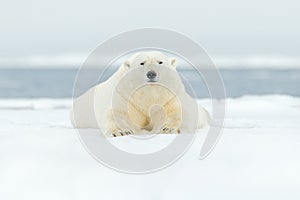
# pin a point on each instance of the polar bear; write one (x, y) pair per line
(145, 95)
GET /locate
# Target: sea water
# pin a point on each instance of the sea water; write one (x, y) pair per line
(58, 83)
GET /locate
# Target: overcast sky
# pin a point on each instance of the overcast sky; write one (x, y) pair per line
(234, 27)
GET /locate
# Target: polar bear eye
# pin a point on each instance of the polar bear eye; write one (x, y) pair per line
(160, 62)
(142, 63)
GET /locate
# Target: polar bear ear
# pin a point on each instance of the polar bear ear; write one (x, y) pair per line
(173, 62)
(126, 64)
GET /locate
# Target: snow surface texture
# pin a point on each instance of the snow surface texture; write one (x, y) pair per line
(257, 157)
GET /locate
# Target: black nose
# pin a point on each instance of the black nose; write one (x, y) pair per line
(151, 74)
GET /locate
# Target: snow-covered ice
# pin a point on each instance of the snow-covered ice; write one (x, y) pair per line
(257, 157)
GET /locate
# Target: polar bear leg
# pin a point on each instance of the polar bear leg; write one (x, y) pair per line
(117, 124)
(172, 125)
(173, 120)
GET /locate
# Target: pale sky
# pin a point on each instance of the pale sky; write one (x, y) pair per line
(231, 27)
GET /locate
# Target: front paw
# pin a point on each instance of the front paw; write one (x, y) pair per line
(117, 133)
(168, 130)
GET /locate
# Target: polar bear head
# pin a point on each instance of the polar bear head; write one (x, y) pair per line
(152, 64)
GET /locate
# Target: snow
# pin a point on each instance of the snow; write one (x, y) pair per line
(257, 157)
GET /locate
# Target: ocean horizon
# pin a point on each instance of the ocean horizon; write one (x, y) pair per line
(59, 82)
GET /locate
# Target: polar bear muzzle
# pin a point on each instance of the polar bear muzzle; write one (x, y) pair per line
(151, 76)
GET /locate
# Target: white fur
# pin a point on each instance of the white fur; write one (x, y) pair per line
(126, 103)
